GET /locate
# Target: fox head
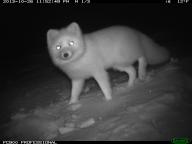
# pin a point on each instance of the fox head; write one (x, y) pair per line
(66, 45)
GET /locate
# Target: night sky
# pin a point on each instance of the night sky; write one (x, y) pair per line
(24, 27)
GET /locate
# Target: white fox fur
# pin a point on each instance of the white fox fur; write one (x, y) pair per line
(82, 56)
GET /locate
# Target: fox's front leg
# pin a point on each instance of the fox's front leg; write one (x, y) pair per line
(102, 79)
(77, 86)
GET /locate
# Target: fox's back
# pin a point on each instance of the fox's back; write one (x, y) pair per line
(117, 44)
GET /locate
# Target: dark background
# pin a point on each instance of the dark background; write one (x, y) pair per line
(29, 80)
(24, 28)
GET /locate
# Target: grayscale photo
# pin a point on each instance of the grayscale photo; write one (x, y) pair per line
(93, 70)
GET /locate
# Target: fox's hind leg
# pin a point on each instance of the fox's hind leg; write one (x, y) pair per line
(142, 64)
(130, 70)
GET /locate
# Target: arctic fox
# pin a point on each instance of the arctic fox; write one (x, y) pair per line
(82, 56)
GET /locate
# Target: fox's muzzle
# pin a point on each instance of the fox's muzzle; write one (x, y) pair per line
(66, 54)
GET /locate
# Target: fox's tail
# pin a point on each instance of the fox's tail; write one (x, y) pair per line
(154, 53)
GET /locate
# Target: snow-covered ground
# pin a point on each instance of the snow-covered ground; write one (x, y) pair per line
(158, 108)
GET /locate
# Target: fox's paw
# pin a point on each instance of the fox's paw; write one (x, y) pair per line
(74, 106)
(146, 78)
(108, 98)
(142, 77)
(73, 101)
(130, 83)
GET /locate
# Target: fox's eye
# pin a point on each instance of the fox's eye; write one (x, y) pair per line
(71, 43)
(58, 47)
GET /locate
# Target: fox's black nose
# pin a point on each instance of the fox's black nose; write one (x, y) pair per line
(65, 55)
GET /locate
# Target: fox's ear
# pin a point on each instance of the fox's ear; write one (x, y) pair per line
(52, 34)
(74, 27)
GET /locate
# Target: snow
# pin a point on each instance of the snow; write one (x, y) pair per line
(158, 108)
